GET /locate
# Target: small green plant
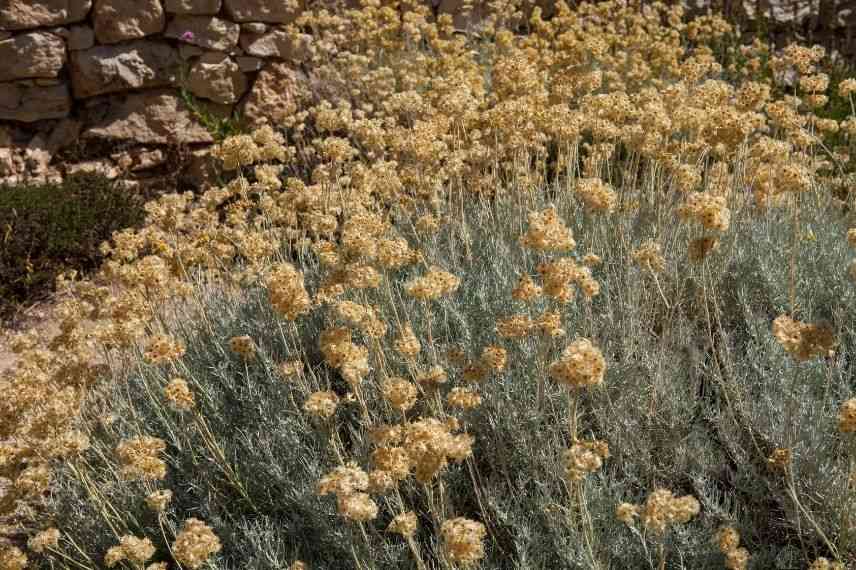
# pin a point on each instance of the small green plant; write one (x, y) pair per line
(49, 228)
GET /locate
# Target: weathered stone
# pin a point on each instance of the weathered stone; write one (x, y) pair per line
(197, 7)
(149, 159)
(5, 36)
(151, 117)
(279, 44)
(59, 31)
(249, 64)
(107, 69)
(278, 93)
(254, 27)
(37, 157)
(103, 167)
(218, 78)
(37, 54)
(203, 31)
(8, 164)
(80, 38)
(26, 14)
(119, 20)
(276, 11)
(28, 104)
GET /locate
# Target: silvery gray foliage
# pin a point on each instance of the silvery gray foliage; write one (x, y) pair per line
(697, 395)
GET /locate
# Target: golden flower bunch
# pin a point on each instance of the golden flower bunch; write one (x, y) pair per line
(826, 564)
(431, 443)
(139, 458)
(728, 540)
(244, 346)
(526, 290)
(47, 539)
(362, 317)
(463, 398)
(12, 558)
(393, 460)
(649, 256)
(580, 365)
(584, 457)
(163, 348)
(287, 292)
(547, 232)
(596, 195)
(803, 341)
(463, 540)
(780, 458)
(195, 544)
(178, 394)
(135, 550)
(433, 377)
(404, 524)
(321, 404)
(342, 354)
(406, 344)
(159, 500)
(706, 209)
(434, 284)
(348, 483)
(559, 277)
(401, 394)
(660, 510)
(847, 416)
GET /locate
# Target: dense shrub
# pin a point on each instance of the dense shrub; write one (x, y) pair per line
(568, 298)
(49, 228)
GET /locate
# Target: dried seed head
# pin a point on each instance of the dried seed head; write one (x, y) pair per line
(803, 341)
(581, 365)
(45, 540)
(847, 416)
(158, 501)
(462, 540)
(139, 458)
(400, 393)
(243, 346)
(627, 513)
(178, 394)
(463, 398)
(404, 524)
(195, 544)
(780, 458)
(727, 539)
(321, 404)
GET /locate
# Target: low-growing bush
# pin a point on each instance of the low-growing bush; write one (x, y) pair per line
(48, 228)
(556, 294)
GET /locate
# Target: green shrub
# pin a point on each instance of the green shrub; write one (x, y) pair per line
(53, 227)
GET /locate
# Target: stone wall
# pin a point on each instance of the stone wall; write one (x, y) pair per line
(107, 73)
(104, 74)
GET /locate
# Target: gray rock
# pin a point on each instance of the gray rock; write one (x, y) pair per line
(280, 44)
(204, 31)
(107, 69)
(197, 7)
(36, 54)
(275, 11)
(151, 117)
(218, 78)
(26, 14)
(120, 20)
